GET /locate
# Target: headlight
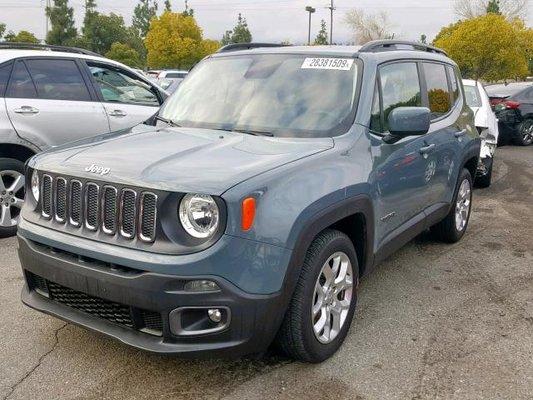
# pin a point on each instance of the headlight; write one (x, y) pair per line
(35, 187)
(199, 215)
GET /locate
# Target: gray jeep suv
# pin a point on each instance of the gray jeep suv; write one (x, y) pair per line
(246, 211)
(51, 95)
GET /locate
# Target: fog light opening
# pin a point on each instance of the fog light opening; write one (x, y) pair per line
(201, 286)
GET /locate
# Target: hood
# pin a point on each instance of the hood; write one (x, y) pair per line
(177, 159)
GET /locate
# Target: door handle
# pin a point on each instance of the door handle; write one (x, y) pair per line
(26, 110)
(427, 149)
(117, 113)
(460, 134)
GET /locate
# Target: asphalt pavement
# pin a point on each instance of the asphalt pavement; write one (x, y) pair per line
(434, 321)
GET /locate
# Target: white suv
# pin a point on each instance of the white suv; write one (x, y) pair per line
(52, 95)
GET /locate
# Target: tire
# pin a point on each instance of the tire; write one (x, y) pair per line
(448, 230)
(525, 133)
(10, 169)
(484, 180)
(297, 337)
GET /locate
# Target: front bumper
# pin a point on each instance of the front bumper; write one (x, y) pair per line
(254, 319)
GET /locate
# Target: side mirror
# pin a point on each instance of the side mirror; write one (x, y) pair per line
(407, 121)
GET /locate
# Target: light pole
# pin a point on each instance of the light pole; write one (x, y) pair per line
(331, 9)
(311, 11)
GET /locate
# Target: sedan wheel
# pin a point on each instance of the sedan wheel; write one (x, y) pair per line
(526, 132)
(11, 197)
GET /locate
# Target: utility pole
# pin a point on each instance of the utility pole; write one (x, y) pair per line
(311, 11)
(47, 5)
(331, 9)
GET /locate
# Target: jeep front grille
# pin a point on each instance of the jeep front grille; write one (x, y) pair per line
(114, 211)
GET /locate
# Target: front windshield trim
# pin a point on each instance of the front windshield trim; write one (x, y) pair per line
(338, 130)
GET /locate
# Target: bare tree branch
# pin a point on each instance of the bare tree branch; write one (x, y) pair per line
(511, 9)
(368, 27)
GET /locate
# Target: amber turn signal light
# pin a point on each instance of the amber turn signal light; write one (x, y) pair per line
(248, 213)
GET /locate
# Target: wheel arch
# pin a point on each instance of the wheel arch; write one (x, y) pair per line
(16, 151)
(354, 217)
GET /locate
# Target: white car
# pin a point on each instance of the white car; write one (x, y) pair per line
(166, 78)
(487, 125)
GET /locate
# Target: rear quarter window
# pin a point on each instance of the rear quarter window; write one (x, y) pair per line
(5, 71)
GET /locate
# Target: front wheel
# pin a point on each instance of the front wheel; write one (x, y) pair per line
(452, 228)
(323, 304)
(11, 195)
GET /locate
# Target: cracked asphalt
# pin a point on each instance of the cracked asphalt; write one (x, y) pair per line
(434, 321)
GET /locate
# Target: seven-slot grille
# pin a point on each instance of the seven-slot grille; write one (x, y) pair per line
(124, 212)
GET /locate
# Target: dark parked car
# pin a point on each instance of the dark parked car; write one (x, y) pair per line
(247, 210)
(513, 105)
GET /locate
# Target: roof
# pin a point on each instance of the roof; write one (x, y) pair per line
(9, 54)
(340, 51)
(469, 82)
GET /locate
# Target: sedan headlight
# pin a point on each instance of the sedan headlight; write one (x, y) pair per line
(199, 215)
(35, 186)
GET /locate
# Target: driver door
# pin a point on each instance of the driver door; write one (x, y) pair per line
(126, 98)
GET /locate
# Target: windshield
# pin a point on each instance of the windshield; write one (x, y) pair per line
(473, 98)
(280, 95)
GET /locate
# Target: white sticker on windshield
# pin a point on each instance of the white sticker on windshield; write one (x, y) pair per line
(342, 64)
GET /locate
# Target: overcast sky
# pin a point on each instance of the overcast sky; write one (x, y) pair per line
(269, 20)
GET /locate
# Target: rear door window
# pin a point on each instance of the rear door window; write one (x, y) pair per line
(438, 92)
(21, 85)
(400, 87)
(5, 71)
(58, 80)
(117, 86)
(456, 94)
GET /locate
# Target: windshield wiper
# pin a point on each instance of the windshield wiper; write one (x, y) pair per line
(255, 133)
(167, 121)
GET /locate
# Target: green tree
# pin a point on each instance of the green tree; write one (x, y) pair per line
(21, 37)
(489, 47)
(104, 30)
(168, 5)
(2, 29)
(90, 16)
(175, 41)
(125, 54)
(61, 17)
(493, 7)
(239, 34)
(322, 37)
(142, 15)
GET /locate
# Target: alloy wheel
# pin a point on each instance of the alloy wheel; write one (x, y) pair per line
(462, 207)
(527, 133)
(11, 197)
(332, 297)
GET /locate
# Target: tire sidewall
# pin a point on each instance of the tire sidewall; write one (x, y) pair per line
(319, 350)
(522, 126)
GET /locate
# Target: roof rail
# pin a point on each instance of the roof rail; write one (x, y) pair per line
(49, 47)
(377, 46)
(248, 46)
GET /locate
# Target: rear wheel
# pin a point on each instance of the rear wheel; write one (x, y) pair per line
(323, 304)
(452, 228)
(525, 133)
(11, 195)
